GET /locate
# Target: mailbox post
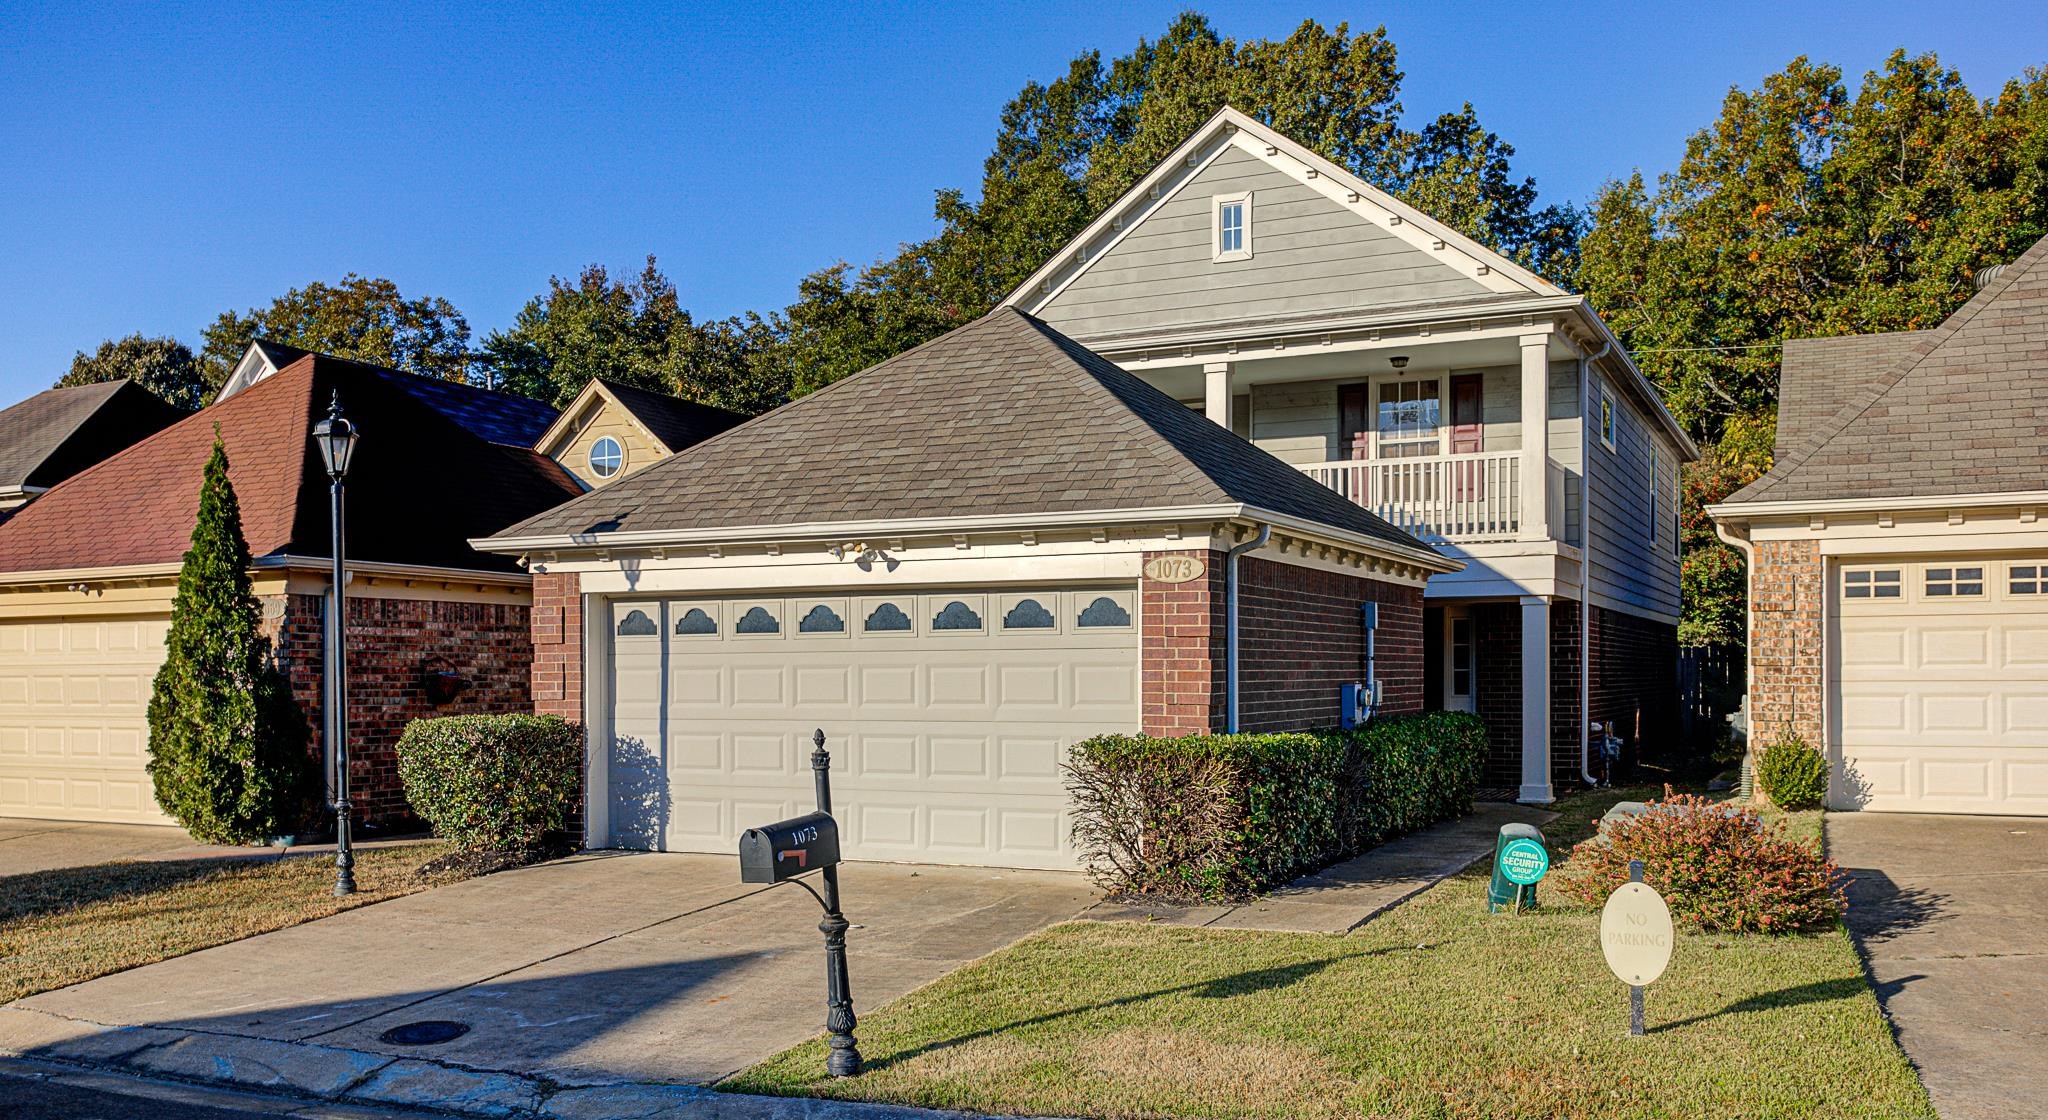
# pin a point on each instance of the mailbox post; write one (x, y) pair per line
(778, 853)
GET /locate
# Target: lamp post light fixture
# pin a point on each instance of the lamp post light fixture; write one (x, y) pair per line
(337, 440)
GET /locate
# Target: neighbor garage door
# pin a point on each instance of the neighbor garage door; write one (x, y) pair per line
(947, 714)
(1942, 685)
(73, 696)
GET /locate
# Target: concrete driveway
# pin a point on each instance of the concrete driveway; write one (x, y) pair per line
(607, 968)
(30, 845)
(1952, 915)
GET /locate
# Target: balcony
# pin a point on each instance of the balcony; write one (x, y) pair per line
(1447, 498)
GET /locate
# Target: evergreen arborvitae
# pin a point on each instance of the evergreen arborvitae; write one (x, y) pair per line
(227, 745)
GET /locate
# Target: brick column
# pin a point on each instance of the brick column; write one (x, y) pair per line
(1182, 649)
(558, 663)
(1786, 642)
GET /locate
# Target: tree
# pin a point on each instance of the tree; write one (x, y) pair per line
(227, 745)
(368, 320)
(163, 366)
(636, 333)
(1064, 151)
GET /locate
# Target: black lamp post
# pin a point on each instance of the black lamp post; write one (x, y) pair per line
(337, 440)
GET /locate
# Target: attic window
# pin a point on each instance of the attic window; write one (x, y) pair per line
(606, 457)
(1233, 226)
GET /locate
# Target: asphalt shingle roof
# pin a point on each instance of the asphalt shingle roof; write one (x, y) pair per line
(1964, 409)
(1001, 416)
(1818, 374)
(59, 432)
(677, 423)
(422, 485)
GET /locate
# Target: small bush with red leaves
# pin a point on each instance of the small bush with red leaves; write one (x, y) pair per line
(1722, 869)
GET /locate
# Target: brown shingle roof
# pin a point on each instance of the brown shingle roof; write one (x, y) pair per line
(421, 487)
(1002, 416)
(677, 423)
(59, 432)
(1964, 410)
(1818, 374)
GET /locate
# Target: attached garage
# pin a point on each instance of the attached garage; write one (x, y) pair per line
(74, 693)
(1941, 684)
(947, 712)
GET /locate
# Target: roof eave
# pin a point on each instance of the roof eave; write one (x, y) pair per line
(1747, 511)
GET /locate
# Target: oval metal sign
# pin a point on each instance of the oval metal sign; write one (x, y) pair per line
(1175, 569)
(1523, 861)
(1635, 933)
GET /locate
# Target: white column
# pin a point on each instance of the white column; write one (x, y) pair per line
(1536, 700)
(1216, 375)
(1535, 437)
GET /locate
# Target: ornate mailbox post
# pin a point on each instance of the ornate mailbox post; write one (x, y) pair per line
(779, 853)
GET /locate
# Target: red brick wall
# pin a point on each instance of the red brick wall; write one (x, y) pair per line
(1786, 641)
(392, 645)
(1181, 640)
(1301, 637)
(1497, 651)
(558, 660)
(1564, 695)
(1634, 683)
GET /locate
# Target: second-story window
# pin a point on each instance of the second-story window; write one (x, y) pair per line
(606, 457)
(1409, 417)
(1654, 494)
(1233, 226)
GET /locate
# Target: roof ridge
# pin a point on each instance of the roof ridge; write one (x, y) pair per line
(1881, 386)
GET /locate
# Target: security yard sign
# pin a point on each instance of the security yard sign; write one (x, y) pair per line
(1524, 862)
(1635, 934)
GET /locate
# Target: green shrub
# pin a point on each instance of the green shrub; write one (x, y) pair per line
(492, 783)
(227, 745)
(1214, 817)
(1793, 774)
(1720, 867)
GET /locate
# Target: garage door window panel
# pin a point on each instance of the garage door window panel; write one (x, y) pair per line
(697, 621)
(1109, 610)
(1031, 613)
(757, 619)
(1958, 582)
(957, 614)
(822, 618)
(1871, 583)
(888, 618)
(2026, 579)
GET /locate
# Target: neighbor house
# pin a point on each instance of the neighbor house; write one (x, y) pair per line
(958, 563)
(59, 432)
(611, 430)
(88, 572)
(1430, 380)
(1898, 562)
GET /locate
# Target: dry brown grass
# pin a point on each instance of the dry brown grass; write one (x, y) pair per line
(69, 925)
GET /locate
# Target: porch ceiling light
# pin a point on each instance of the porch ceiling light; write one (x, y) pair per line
(1398, 361)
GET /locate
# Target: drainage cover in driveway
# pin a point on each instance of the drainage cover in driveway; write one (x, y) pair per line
(425, 1033)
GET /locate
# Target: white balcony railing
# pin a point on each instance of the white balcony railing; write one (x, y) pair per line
(1443, 498)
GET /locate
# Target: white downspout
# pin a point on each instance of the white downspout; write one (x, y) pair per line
(1230, 624)
(1739, 540)
(1585, 564)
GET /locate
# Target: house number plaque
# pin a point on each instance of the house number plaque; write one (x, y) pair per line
(1174, 569)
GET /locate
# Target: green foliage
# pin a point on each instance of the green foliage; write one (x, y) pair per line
(1065, 150)
(1713, 589)
(1792, 774)
(364, 319)
(227, 744)
(1805, 211)
(1216, 817)
(634, 333)
(163, 366)
(492, 783)
(1721, 868)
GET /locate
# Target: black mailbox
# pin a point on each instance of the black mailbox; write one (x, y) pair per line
(787, 849)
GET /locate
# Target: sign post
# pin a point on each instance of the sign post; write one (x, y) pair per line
(1635, 934)
(779, 853)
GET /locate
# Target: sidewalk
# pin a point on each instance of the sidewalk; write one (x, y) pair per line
(1341, 898)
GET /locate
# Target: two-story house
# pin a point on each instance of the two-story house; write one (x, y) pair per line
(1432, 381)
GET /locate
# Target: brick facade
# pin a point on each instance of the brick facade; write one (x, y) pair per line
(1787, 641)
(1300, 638)
(393, 646)
(558, 660)
(1634, 683)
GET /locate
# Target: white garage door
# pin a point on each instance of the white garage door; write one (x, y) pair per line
(73, 696)
(1942, 685)
(947, 715)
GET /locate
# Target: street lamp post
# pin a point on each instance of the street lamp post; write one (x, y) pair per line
(337, 440)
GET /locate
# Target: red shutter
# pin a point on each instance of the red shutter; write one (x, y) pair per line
(1354, 420)
(1468, 436)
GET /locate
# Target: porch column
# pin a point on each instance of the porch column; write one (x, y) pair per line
(1535, 467)
(1535, 700)
(1216, 375)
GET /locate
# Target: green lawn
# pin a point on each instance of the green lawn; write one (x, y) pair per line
(72, 924)
(1436, 1009)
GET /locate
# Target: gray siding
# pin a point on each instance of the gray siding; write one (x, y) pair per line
(1308, 255)
(1627, 567)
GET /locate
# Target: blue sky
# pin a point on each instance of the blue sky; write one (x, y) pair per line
(158, 166)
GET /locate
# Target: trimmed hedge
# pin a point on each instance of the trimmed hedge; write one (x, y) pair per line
(1216, 817)
(1793, 774)
(492, 783)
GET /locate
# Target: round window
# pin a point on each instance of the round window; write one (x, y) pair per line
(606, 457)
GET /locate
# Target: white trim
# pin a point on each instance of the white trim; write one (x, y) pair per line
(1609, 421)
(1748, 510)
(1217, 204)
